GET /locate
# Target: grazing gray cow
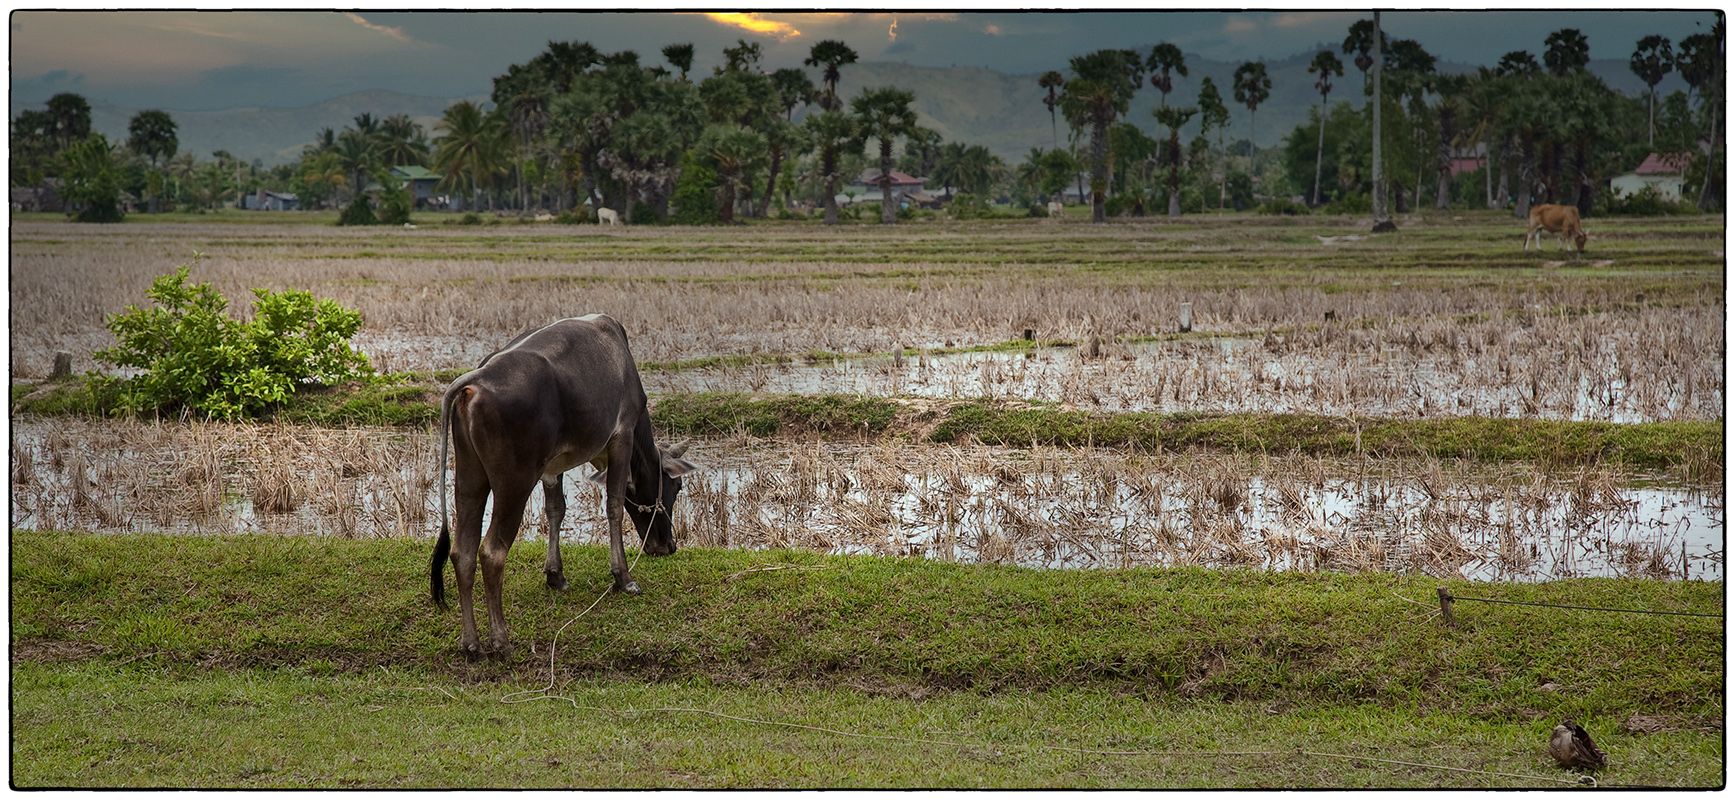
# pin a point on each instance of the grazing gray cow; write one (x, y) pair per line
(551, 399)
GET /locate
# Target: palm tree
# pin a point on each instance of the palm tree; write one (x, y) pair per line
(834, 134)
(1517, 62)
(1381, 221)
(71, 116)
(1568, 51)
(1165, 58)
(781, 138)
(885, 114)
(359, 154)
(1174, 117)
(1360, 41)
(366, 125)
(1652, 60)
(680, 57)
(1052, 81)
(151, 134)
(1102, 87)
(467, 150)
(830, 54)
(402, 141)
(1252, 87)
(733, 151)
(1213, 113)
(794, 88)
(743, 57)
(1325, 65)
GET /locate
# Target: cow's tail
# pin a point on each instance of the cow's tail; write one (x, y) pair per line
(442, 547)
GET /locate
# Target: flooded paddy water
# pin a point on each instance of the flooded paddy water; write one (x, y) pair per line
(1335, 370)
(1044, 507)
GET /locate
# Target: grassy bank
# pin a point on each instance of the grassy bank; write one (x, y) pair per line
(1277, 638)
(252, 661)
(1691, 450)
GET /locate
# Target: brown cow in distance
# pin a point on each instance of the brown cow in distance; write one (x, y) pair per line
(1562, 221)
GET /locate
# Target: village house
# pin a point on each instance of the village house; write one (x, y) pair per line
(866, 189)
(1664, 172)
(267, 200)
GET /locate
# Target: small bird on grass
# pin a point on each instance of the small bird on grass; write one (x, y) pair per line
(1572, 747)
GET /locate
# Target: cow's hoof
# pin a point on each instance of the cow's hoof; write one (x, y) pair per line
(500, 652)
(630, 587)
(556, 581)
(472, 652)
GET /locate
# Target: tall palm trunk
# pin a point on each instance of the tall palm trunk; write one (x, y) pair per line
(1098, 169)
(1526, 175)
(1319, 151)
(1380, 216)
(828, 168)
(1174, 173)
(888, 210)
(1711, 162)
(1443, 191)
(726, 199)
(771, 182)
(1651, 139)
(1223, 173)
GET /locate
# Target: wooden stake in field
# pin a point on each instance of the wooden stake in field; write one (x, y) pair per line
(1186, 317)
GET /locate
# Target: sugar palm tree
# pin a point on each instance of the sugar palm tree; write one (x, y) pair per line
(1653, 59)
(834, 135)
(830, 55)
(1360, 41)
(680, 56)
(1099, 92)
(1214, 113)
(1325, 65)
(1174, 117)
(402, 141)
(1568, 51)
(1051, 81)
(358, 154)
(794, 88)
(885, 114)
(1252, 87)
(1165, 58)
(734, 152)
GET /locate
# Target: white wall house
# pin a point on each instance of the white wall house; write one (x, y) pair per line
(1663, 172)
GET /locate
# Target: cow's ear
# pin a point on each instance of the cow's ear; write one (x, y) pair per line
(676, 467)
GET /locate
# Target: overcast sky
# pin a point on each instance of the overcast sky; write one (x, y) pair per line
(207, 60)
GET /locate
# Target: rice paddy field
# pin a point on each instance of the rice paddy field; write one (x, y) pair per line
(1047, 410)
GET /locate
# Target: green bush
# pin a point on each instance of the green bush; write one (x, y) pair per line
(91, 181)
(395, 205)
(1648, 202)
(1284, 206)
(194, 357)
(358, 212)
(695, 199)
(470, 218)
(966, 205)
(1351, 204)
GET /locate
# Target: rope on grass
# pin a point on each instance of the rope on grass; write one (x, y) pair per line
(1587, 608)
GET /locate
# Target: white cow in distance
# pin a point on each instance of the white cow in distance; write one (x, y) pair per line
(1055, 209)
(607, 216)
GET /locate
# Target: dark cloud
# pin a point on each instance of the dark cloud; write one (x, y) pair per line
(454, 54)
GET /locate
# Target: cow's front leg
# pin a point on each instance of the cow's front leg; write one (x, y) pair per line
(619, 463)
(554, 503)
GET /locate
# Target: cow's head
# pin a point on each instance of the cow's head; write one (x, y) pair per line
(656, 527)
(1580, 238)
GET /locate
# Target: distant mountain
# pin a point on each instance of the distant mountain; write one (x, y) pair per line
(970, 104)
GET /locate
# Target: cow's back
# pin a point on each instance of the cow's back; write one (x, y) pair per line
(571, 384)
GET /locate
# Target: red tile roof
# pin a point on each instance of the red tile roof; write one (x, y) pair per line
(1663, 164)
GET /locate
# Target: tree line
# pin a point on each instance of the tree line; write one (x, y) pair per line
(575, 126)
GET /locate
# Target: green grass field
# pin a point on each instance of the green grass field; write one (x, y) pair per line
(249, 661)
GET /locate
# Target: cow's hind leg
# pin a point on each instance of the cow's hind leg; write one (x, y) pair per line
(554, 503)
(509, 500)
(471, 495)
